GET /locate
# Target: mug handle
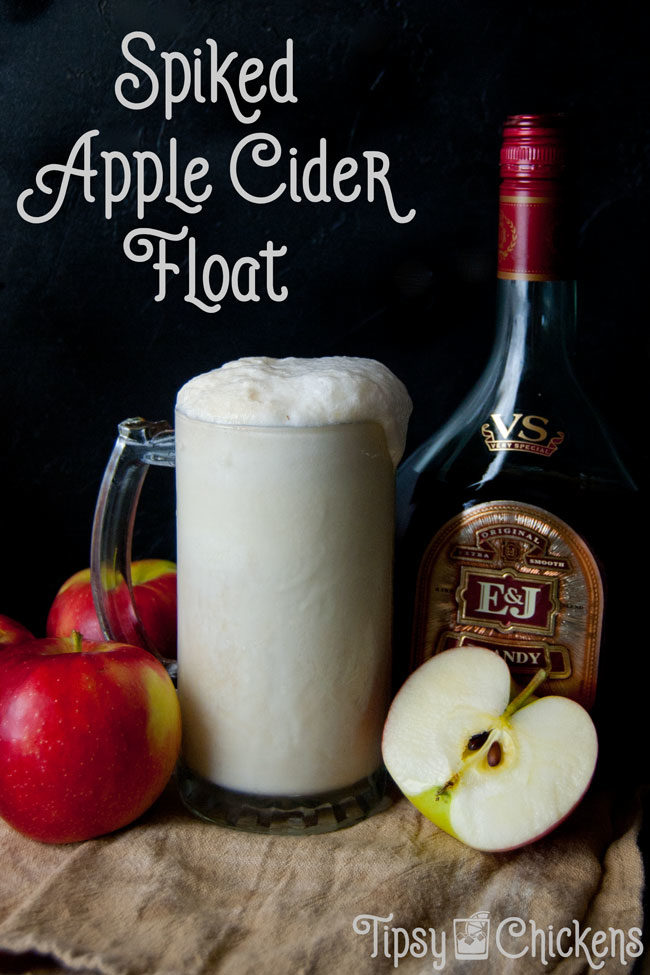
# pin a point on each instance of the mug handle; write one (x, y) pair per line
(139, 444)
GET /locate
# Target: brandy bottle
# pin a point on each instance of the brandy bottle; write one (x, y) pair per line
(502, 514)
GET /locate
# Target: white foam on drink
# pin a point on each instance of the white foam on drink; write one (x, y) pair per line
(261, 391)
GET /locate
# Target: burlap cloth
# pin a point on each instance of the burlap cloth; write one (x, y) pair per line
(172, 895)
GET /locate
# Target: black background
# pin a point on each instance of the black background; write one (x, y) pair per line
(84, 344)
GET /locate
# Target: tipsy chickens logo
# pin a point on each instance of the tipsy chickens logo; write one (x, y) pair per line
(471, 939)
(208, 76)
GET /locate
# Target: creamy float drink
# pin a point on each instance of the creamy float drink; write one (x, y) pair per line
(285, 482)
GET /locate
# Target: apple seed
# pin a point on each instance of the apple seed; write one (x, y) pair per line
(477, 741)
(494, 754)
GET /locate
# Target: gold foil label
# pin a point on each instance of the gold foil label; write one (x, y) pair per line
(514, 578)
(521, 432)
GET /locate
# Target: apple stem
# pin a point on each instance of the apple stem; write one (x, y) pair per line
(77, 641)
(523, 696)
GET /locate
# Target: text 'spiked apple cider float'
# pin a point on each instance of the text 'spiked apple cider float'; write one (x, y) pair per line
(285, 486)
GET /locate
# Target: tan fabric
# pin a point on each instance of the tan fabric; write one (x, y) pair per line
(176, 896)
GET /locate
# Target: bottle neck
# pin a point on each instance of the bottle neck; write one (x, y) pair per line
(535, 331)
(536, 298)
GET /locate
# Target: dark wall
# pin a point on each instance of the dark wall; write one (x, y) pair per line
(84, 343)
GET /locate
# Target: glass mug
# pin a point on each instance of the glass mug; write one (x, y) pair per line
(285, 552)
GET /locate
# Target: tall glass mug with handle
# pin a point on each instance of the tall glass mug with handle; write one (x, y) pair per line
(285, 472)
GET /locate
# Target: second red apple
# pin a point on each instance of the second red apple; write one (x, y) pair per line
(154, 590)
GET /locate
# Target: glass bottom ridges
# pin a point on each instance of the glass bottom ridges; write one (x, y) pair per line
(283, 815)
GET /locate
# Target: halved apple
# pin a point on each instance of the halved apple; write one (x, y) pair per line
(492, 772)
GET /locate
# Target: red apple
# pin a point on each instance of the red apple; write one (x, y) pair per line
(12, 632)
(89, 736)
(154, 590)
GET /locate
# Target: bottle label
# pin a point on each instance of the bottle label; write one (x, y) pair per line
(521, 432)
(514, 578)
(533, 234)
